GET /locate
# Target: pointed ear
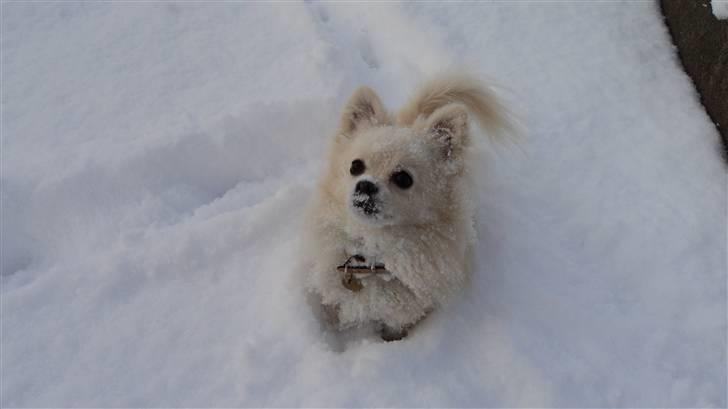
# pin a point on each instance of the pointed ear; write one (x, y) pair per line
(447, 128)
(364, 109)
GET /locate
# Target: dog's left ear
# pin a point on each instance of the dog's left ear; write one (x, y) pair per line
(447, 129)
(364, 109)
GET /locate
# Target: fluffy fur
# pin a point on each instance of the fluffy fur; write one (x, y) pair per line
(421, 233)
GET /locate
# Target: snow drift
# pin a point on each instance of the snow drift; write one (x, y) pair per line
(720, 8)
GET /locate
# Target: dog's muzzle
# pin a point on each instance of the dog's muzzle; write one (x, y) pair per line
(365, 197)
(367, 206)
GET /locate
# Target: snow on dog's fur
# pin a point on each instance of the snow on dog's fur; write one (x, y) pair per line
(396, 191)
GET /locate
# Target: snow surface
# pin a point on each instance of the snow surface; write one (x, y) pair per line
(720, 8)
(156, 159)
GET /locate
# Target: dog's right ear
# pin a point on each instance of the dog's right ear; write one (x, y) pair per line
(364, 109)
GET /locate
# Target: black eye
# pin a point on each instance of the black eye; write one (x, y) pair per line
(357, 167)
(402, 179)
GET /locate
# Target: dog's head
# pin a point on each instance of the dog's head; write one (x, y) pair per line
(391, 173)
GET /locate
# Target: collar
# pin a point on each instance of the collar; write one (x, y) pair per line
(356, 268)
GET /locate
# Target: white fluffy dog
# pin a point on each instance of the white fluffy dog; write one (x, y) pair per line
(391, 226)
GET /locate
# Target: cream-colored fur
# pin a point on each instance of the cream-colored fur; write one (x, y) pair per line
(422, 233)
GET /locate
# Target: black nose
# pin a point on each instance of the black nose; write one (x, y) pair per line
(366, 187)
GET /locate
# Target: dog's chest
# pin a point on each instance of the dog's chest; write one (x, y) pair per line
(367, 246)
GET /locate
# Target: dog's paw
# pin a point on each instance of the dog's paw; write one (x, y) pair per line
(389, 334)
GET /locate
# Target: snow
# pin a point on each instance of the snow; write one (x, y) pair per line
(720, 8)
(157, 158)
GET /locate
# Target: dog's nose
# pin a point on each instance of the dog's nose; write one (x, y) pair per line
(366, 187)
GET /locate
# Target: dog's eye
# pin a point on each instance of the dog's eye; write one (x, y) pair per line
(357, 167)
(402, 179)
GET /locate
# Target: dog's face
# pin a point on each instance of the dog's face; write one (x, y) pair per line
(389, 173)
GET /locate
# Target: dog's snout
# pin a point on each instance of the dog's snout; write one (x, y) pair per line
(366, 187)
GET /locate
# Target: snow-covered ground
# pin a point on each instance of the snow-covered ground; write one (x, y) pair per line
(720, 8)
(156, 159)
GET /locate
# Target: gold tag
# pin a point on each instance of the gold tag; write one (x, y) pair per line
(351, 283)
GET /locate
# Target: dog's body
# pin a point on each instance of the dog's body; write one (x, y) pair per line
(396, 192)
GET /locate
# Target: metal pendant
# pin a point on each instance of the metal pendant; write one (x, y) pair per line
(351, 283)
